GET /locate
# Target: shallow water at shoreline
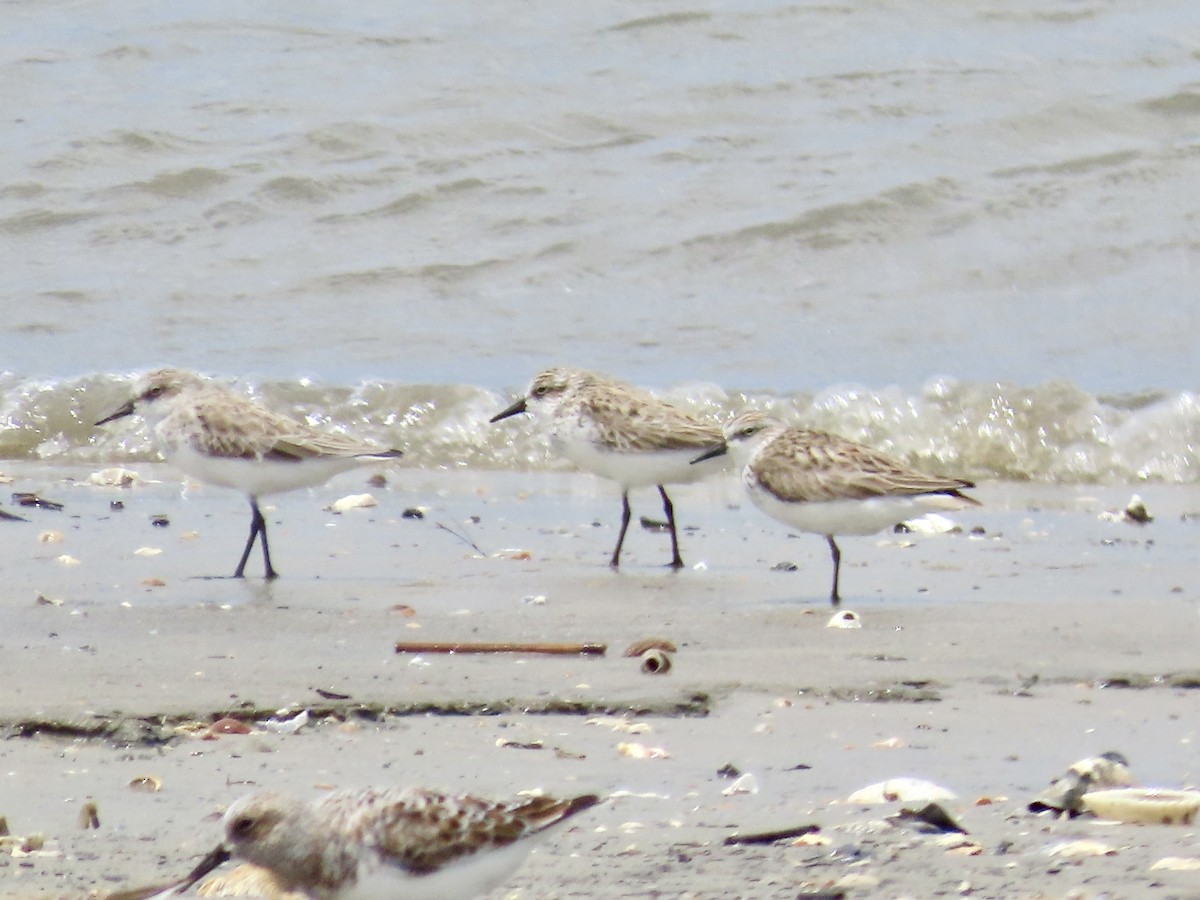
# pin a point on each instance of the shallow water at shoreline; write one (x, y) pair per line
(1054, 432)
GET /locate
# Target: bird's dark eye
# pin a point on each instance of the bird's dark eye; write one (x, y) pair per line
(541, 391)
(154, 392)
(241, 826)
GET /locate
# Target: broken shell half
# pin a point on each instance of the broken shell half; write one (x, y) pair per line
(904, 790)
(1150, 806)
(148, 783)
(846, 618)
(655, 662)
(638, 648)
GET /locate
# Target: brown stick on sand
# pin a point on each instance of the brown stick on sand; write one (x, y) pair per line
(555, 649)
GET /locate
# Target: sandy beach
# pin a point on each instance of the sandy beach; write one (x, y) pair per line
(986, 663)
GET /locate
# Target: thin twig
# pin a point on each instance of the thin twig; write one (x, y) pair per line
(462, 537)
(555, 649)
(770, 837)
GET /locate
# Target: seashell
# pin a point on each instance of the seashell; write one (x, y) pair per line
(1065, 794)
(641, 751)
(617, 723)
(812, 840)
(148, 783)
(42, 600)
(637, 648)
(89, 816)
(51, 537)
(512, 553)
(932, 818)
(846, 618)
(1072, 849)
(66, 560)
(153, 582)
(286, 726)
(655, 662)
(892, 743)
(743, 784)
(519, 745)
(33, 844)
(353, 501)
(147, 551)
(1134, 512)
(228, 725)
(115, 477)
(1149, 806)
(1178, 863)
(903, 790)
(930, 523)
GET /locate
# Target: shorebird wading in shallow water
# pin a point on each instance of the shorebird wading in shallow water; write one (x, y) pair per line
(214, 435)
(824, 484)
(375, 844)
(621, 433)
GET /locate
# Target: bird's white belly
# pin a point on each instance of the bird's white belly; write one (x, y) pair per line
(851, 517)
(632, 469)
(465, 878)
(257, 477)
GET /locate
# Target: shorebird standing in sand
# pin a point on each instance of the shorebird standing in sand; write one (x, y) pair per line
(621, 433)
(213, 434)
(824, 484)
(374, 844)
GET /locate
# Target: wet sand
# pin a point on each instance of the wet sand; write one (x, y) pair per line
(986, 663)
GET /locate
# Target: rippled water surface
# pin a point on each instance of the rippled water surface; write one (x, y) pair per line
(967, 230)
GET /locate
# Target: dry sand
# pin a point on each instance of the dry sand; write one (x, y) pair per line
(985, 663)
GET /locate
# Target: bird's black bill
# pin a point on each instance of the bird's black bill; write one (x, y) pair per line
(719, 450)
(518, 407)
(126, 410)
(206, 865)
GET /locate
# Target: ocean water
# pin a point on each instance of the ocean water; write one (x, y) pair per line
(963, 232)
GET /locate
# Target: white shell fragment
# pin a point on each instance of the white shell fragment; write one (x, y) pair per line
(115, 477)
(147, 551)
(66, 560)
(1072, 849)
(280, 725)
(353, 501)
(51, 537)
(846, 618)
(619, 723)
(930, 523)
(641, 751)
(902, 790)
(744, 784)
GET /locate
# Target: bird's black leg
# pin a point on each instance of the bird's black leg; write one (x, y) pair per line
(615, 562)
(676, 560)
(258, 526)
(835, 598)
